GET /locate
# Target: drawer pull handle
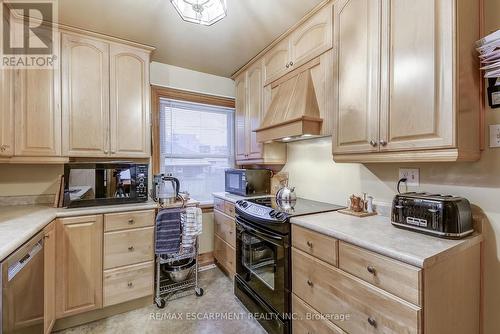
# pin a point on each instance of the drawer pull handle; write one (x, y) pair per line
(131, 221)
(372, 322)
(309, 282)
(371, 270)
(310, 244)
(129, 284)
(131, 248)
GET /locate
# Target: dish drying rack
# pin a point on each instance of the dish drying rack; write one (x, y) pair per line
(165, 288)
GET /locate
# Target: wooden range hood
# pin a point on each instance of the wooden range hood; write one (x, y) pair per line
(294, 111)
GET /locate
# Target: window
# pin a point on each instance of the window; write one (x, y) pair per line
(196, 145)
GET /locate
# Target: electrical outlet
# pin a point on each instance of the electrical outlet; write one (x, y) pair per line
(495, 135)
(412, 175)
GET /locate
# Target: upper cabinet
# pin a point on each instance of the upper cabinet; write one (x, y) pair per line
(129, 82)
(105, 98)
(413, 93)
(312, 38)
(249, 113)
(6, 114)
(85, 96)
(37, 106)
(307, 41)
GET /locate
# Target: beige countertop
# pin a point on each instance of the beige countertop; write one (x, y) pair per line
(233, 198)
(378, 235)
(21, 222)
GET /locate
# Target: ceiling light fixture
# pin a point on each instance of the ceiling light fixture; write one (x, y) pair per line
(204, 12)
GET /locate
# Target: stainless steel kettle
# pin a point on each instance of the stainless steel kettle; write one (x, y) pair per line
(286, 194)
(166, 189)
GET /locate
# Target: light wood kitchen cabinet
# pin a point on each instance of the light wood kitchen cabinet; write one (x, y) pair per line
(85, 96)
(249, 113)
(129, 94)
(357, 71)
(79, 265)
(429, 82)
(105, 98)
(6, 114)
(312, 38)
(225, 236)
(37, 97)
(277, 61)
(305, 42)
(49, 277)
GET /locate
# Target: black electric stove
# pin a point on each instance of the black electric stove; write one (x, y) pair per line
(263, 261)
(275, 216)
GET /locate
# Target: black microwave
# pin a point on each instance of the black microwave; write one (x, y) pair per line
(248, 182)
(104, 183)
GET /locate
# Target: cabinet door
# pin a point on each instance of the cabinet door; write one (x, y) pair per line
(79, 265)
(38, 111)
(6, 114)
(312, 38)
(49, 277)
(357, 73)
(276, 61)
(85, 96)
(240, 117)
(129, 82)
(417, 103)
(254, 111)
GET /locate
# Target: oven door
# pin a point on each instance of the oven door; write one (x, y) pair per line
(262, 263)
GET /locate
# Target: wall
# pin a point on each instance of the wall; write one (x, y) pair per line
(310, 164)
(181, 78)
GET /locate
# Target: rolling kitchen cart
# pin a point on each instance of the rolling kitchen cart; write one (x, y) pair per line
(165, 288)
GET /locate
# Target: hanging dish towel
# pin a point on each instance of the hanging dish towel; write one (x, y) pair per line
(168, 231)
(191, 227)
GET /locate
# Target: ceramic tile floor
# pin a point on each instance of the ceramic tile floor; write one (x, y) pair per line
(218, 300)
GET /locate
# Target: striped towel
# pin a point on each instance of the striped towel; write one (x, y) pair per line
(168, 231)
(191, 228)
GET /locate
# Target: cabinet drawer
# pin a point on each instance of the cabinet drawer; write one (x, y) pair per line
(315, 244)
(331, 291)
(309, 321)
(127, 220)
(128, 283)
(225, 228)
(128, 247)
(225, 255)
(395, 277)
(229, 208)
(219, 204)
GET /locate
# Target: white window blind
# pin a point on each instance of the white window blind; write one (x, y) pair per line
(196, 145)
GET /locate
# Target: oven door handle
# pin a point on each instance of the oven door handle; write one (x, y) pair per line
(259, 233)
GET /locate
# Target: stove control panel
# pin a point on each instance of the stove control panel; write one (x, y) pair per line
(260, 211)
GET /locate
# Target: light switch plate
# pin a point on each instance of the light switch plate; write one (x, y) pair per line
(495, 135)
(412, 174)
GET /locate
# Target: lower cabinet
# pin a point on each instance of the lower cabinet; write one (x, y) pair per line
(78, 265)
(366, 292)
(225, 236)
(49, 277)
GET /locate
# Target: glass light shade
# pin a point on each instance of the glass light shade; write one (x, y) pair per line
(205, 12)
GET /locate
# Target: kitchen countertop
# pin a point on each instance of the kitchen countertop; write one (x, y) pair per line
(376, 234)
(233, 198)
(21, 222)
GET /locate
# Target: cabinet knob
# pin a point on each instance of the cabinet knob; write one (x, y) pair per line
(371, 270)
(309, 282)
(130, 284)
(131, 248)
(287, 65)
(383, 143)
(291, 63)
(372, 322)
(373, 143)
(131, 221)
(309, 244)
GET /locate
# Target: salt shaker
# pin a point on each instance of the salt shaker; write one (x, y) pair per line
(369, 204)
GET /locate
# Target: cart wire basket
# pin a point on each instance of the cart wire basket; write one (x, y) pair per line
(167, 289)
